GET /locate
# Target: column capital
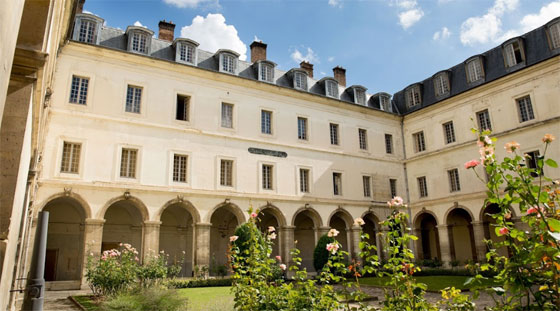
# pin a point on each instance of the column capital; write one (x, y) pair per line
(477, 223)
(287, 228)
(203, 225)
(442, 226)
(94, 221)
(152, 223)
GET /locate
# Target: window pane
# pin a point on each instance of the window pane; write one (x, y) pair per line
(302, 128)
(267, 177)
(454, 180)
(422, 186)
(227, 115)
(367, 186)
(128, 163)
(334, 133)
(304, 180)
(388, 143)
(393, 187)
(266, 122)
(70, 157)
(226, 173)
(554, 32)
(180, 168)
(300, 81)
(78, 90)
(182, 110)
(337, 183)
(362, 137)
(484, 120)
(525, 109)
(133, 99)
(419, 143)
(449, 132)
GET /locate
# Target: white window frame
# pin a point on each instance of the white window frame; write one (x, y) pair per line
(84, 17)
(385, 102)
(171, 169)
(267, 127)
(331, 88)
(474, 69)
(79, 91)
(363, 141)
(60, 150)
(266, 72)
(142, 96)
(309, 179)
(422, 182)
(527, 112)
(441, 84)
(186, 49)
(334, 140)
(390, 144)
(233, 123)
(189, 108)
(302, 78)
(419, 141)
(219, 186)
(413, 96)
(360, 96)
(118, 156)
(305, 130)
(449, 132)
(454, 180)
(553, 32)
(231, 66)
(488, 121)
(143, 44)
(340, 186)
(369, 187)
(273, 188)
(508, 50)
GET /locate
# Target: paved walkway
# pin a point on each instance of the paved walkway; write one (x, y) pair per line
(58, 300)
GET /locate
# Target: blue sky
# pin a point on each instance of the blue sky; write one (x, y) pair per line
(384, 45)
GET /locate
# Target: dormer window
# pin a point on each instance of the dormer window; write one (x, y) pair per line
(554, 34)
(299, 78)
(413, 96)
(513, 52)
(139, 39)
(474, 69)
(266, 71)
(86, 28)
(441, 84)
(331, 87)
(385, 102)
(359, 94)
(227, 61)
(185, 51)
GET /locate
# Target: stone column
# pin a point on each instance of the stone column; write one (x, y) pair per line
(418, 250)
(355, 245)
(444, 245)
(519, 224)
(202, 247)
(93, 236)
(321, 231)
(286, 242)
(151, 238)
(480, 245)
(379, 244)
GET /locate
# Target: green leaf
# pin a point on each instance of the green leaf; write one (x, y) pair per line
(551, 163)
(413, 237)
(554, 224)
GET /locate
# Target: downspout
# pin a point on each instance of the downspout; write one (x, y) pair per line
(407, 191)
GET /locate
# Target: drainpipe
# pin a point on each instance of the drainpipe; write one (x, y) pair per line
(35, 289)
(407, 191)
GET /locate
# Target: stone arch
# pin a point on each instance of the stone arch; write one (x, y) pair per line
(342, 221)
(318, 222)
(65, 238)
(124, 222)
(270, 215)
(233, 208)
(494, 208)
(489, 225)
(372, 228)
(126, 197)
(461, 234)
(188, 206)
(425, 224)
(72, 195)
(454, 207)
(276, 212)
(425, 211)
(344, 215)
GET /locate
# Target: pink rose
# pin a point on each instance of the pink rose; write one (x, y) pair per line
(512, 146)
(271, 229)
(278, 258)
(532, 210)
(233, 238)
(503, 231)
(282, 266)
(254, 215)
(332, 233)
(472, 164)
(332, 248)
(548, 138)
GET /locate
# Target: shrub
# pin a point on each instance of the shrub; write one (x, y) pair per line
(320, 254)
(174, 283)
(115, 271)
(153, 299)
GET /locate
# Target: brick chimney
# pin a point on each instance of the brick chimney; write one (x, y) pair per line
(166, 30)
(340, 75)
(307, 67)
(80, 6)
(258, 51)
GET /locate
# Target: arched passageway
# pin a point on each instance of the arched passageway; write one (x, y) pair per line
(372, 228)
(123, 224)
(339, 222)
(461, 237)
(489, 224)
(176, 237)
(267, 219)
(426, 226)
(224, 221)
(306, 224)
(65, 240)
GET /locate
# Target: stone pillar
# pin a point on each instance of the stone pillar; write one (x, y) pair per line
(286, 242)
(202, 247)
(418, 250)
(321, 231)
(93, 236)
(519, 224)
(151, 238)
(355, 245)
(444, 245)
(480, 245)
(379, 245)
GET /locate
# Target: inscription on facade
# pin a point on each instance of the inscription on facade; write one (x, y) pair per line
(272, 153)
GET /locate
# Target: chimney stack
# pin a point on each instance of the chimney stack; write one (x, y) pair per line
(166, 30)
(340, 75)
(258, 51)
(307, 67)
(80, 6)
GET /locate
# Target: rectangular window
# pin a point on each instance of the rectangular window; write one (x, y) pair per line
(393, 187)
(385, 103)
(304, 180)
(128, 162)
(422, 186)
(267, 176)
(139, 42)
(302, 128)
(228, 63)
(362, 138)
(267, 73)
(525, 109)
(360, 96)
(419, 143)
(483, 118)
(531, 160)
(226, 173)
(332, 88)
(334, 133)
(133, 99)
(78, 90)
(180, 168)
(454, 184)
(474, 70)
(70, 157)
(266, 122)
(388, 143)
(87, 31)
(337, 183)
(513, 54)
(367, 186)
(441, 83)
(183, 103)
(554, 33)
(186, 53)
(413, 96)
(449, 132)
(227, 115)
(300, 81)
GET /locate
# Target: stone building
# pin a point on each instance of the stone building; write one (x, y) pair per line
(152, 141)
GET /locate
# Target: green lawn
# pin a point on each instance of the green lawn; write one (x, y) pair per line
(435, 283)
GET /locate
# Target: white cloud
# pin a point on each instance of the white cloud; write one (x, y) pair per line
(410, 12)
(488, 27)
(546, 13)
(311, 56)
(187, 3)
(213, 34)
(335, 3)
(330, 59)
(442, 34)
